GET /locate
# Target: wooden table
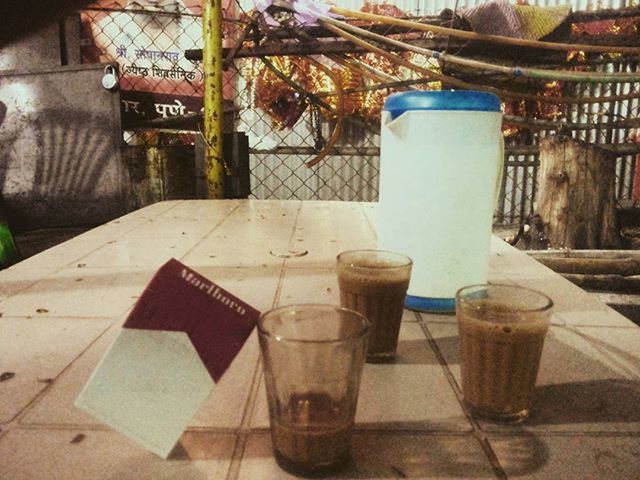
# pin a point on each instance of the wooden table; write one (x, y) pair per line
(62, 308)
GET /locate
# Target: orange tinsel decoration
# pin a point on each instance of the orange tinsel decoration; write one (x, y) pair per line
(285, 105)
(276, 97)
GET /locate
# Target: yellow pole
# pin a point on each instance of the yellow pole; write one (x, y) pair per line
(213, 113)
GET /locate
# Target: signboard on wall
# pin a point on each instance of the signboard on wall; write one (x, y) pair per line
(148, 38)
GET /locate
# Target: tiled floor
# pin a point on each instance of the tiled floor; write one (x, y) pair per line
(61, 309)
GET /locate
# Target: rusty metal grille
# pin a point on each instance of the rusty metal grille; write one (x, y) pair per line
(172, 87)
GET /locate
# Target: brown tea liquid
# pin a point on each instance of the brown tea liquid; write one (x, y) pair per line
(500, 355)
(379, 296)
(312, 435)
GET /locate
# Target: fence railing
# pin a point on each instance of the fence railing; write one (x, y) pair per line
(158, 83)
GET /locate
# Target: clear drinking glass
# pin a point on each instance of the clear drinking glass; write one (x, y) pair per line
(312, 359)
(374, 283)
(501, 333)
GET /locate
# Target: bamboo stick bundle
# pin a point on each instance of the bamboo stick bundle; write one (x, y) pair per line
(533, 73)
(521, 42)
(455, 82)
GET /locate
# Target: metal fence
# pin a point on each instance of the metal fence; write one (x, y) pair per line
(158, 83)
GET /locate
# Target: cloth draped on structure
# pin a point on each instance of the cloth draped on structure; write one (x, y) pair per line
(499, 17)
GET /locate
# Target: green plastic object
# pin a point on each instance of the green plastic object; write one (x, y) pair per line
(8, 250)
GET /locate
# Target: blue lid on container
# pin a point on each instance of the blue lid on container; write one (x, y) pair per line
(426, 304)
(398, 103)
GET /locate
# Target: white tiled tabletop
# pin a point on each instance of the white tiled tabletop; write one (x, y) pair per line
(61, 309)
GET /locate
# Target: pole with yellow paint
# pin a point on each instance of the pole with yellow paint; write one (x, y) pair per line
(213, 113)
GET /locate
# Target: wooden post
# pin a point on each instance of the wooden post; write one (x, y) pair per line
(576, 195)
(213, 113)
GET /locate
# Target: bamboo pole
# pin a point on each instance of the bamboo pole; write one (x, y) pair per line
(482, 37)
(213, 113)
(452, 81)
(535, 73)
(424, 71)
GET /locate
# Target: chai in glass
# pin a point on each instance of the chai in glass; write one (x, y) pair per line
(374, 283)
(312, 359)
(501, 333)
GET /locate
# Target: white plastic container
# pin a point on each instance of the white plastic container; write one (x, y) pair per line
(441, 160)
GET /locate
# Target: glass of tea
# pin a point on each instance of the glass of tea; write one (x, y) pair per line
(374, 283)
(312, 359)
(501, 334)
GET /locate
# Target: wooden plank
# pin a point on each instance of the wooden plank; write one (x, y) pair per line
(593, 266)
(616, 283)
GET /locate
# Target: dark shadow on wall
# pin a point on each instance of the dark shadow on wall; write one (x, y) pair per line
(22, 17)
(62, 167)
